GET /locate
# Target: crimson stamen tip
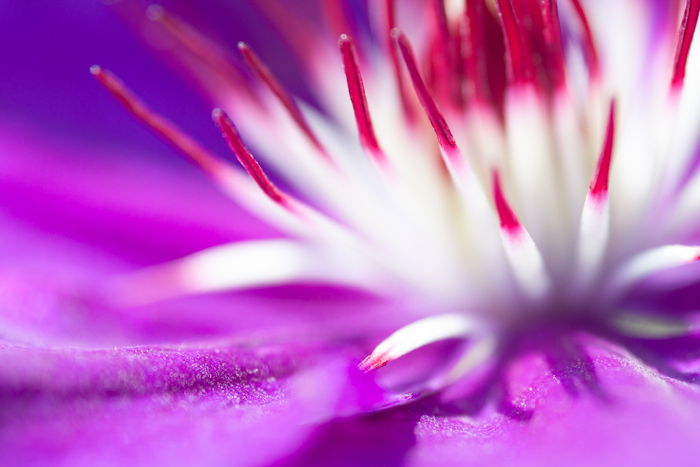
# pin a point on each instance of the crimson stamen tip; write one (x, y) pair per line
(217, 114)
(95, 70)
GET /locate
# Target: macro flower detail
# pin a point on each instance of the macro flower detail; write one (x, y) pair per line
(483, 227)
(479, 245)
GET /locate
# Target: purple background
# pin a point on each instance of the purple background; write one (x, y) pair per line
(48, 47)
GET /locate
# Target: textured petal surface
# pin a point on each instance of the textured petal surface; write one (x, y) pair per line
(606, 410)
(174, 406)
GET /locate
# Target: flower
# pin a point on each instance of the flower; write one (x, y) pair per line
(519, 199)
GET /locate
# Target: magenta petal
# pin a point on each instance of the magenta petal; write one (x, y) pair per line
(127, 207)
(164, 406)
(629, 415)
(669, 292)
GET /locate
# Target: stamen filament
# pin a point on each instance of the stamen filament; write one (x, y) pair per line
(358, 98)
(264, 74)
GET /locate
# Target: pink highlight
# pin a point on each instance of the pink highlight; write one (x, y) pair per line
(246, 159)
(685, 38)
(358, 98)
(438, 122)
(599, 186)
(509, 221)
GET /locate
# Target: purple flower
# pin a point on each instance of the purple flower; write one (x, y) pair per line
(464, 234)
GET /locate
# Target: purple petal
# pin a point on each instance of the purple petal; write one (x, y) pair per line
(136, 210)
(625, 415)
(173, 406)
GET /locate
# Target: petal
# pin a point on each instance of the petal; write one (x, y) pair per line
(140, 211)
(174, 406)
(615, 412)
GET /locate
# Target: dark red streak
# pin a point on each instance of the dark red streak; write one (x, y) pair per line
(263, 72)
(230, 133)
(552, 33)
(159, 125)
(599, 185)
(438, 122)
(406, 105)
(520, 69)
(685, 38)
(589, 46)
(508, 219)
(475, 57)
(358, 97)
(447, 66)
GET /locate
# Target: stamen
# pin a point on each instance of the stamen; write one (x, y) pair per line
(552, 34)
(406, 105)
(159, 125)
(589, 48)
(246, 159)
(599, 185)
(416, 335)
(520, 67)
(447, 67)
(595, 217)
(438, 122)
(476, 60)
(650, 261)
(649, 326)
(203, 48)
(263, 72)
(236, 266)
(509, 221)
(358, 97)
(523, 255)
(685, 38)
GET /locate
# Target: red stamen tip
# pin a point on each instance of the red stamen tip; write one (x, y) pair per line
(246, 159)
(509, 221)
(373, 362)
(599, 185)
(685, 38)
(358, 97)
(438, 122)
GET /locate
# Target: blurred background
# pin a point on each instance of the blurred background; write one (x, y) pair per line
(48, 47)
